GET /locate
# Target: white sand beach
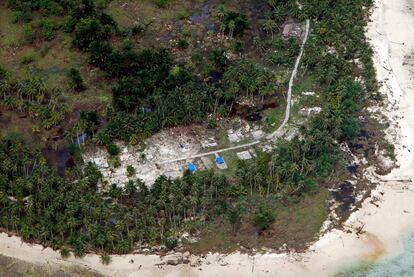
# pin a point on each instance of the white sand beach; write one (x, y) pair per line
(391, 37)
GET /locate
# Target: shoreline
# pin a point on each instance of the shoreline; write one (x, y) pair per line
(384, 226)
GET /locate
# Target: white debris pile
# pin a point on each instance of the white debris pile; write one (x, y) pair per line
(235, 136)
(292, 30)
(258, 134)
(164, 146)
(308, 93)
(245, 155)
(245, 131)
(307, 112)
(291, 133)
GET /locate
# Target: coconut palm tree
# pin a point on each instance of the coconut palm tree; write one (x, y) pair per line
(269, 26)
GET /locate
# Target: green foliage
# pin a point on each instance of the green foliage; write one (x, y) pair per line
(75, 80)
(264, 217)
(4, 75)
(27, 58)
(30, 96)
(234, 23)
(24, 16)
(283, 52)
(89, 30)
(237, 46)
(90, 121)
(235, 214)
(130, 171)
(170, 243)
(105, 259)
(162, 3)
(231, 23)
(64, 253)
(29, 34)
(183, 14)
(48, 29)
(246, 78)
(138, 30)
(113, 149)
(183, 44)
(218, 59)
(24, 8)
(350, 128)
(212, 123)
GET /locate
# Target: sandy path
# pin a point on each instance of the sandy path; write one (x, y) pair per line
(384, 225)
(279, 130)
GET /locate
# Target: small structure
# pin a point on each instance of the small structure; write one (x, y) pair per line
(221, 164)
(245, 155)
(191, 167)
(307, 112)
(234, 136)
(308, 93)
(292, 30)
(258, 134)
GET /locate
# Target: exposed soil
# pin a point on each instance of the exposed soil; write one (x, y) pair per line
(345, 196)
(59, 159)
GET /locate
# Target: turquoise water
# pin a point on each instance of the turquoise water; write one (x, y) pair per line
(401, 265)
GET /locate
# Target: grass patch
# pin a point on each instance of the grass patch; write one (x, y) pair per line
(11, 34)
(27, 57)
(231, 160)
(297, 224)
(272, 118)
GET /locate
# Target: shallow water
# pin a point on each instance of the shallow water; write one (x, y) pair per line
(401, 265)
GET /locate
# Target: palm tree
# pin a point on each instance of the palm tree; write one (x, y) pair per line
(269, 26)
(105, 259)
(64, 253)
(123, 247)
(231, 26)
(273, 3)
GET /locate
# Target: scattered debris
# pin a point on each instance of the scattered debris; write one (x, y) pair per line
(308, 93)
(258, 134)
(174, 259)
(210, 142)
(307, 112)
(234, 136)
(292, 30)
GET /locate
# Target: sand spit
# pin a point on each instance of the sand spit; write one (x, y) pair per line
(383, 223)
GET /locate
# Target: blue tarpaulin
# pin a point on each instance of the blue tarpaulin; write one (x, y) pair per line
(219, 160)
(191, 167)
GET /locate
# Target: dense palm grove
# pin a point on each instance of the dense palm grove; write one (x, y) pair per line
(153, 92)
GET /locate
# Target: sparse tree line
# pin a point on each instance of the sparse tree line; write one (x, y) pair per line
(33, 98)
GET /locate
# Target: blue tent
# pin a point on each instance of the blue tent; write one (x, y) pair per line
(219, 160)
(191, 167)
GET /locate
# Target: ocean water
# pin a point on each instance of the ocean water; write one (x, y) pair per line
(401, 265)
